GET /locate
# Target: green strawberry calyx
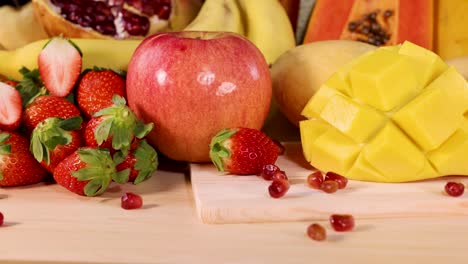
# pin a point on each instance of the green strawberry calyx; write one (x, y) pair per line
(5, 149)
(219, 149)
(146, 161)
(99, 171)
(120, 123)
(50, 133)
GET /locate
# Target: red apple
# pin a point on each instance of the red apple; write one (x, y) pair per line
(193, 84)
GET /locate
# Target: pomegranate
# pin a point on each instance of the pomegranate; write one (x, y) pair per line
(316, 232)
(131, 201)
(120, 19)
(454, 189)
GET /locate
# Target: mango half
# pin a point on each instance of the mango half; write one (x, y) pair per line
(396, 114)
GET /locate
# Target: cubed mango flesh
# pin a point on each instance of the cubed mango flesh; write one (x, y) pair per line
(395, 115)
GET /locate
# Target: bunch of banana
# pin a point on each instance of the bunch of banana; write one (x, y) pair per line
(264, 22)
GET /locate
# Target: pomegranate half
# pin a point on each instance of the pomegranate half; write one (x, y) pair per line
(119, 19)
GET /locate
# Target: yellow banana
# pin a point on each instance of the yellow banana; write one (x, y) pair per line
(114, 54)
(218, 15)
(268, 27)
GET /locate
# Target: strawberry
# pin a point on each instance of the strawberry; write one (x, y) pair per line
(10, 107)
(242, 151)
(142, 161)
(115, 127)
(88, 172)
(60, 66)
(46, 106)
(17, 165)
(96, 88)
(54, 139)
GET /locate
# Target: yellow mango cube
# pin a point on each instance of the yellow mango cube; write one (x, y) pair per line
(310, 130)
(432, 117)
(349, 117)
(333, 152)
(427, 65)
(384, 80)
(316, 104)
(391, 152)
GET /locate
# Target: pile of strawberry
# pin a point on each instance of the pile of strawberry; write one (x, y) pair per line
(72, 125)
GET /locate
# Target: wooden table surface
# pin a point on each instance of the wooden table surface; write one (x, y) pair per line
(167, 230)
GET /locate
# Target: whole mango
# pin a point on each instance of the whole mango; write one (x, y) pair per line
(397, 114)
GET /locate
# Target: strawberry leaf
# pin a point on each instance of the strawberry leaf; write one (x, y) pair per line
(102, 131)
(96, 187)
(119, 157)
(146, 161)
(122, 176)
(99, 170)
(72, 123)
(51, 133)
(142, 129)
(218, 149)
(5, 149)
(31, 86)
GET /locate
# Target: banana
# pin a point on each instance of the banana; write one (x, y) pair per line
(218, 15)
(268, 27)
(114, 54)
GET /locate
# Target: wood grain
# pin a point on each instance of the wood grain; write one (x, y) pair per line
(245, 199)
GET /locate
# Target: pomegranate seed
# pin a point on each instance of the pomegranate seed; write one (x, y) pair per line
(268, 171)
(329, 186)
(342, 223)
(342, 181)
(454, 189)
(131, 201)
(315, 180)
(317, 232)
(279, 175)
(278, 188)
(1, 219)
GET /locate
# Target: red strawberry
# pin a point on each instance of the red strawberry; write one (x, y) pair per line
(96, 88)
(88, 171)
(46, 106)
(17, 165)
(242, 151)
(10, 107)
(142, 161)
(60, 66)
(115, 127)
(54, 139)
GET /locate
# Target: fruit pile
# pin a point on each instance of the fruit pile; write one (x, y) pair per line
(71, 124)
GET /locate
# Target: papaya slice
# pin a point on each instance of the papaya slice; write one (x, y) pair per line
(396, 114)
(377, 22)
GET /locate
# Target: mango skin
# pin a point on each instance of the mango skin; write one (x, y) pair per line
(298, 73)
(397, 114)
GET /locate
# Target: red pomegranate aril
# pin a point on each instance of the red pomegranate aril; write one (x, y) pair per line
(278, 188)
(329, 186)
(1, 219)
(279, 175)
(268, 171)
(315, 180)
(342, 181)
(454, 189)
(131, 201)
(316, 232)
(342, 222)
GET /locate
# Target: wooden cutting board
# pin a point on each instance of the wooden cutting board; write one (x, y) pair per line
(222, 198)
